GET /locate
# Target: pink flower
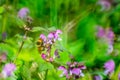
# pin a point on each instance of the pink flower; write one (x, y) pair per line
(72, 70)
(105, 4)
(51, 35)
(44, 56)
(42, 36)
(76, 71)
(62, 68)
(97, 77)
(47, 44)
(8, 69)
(109, 66)
(23, 12)
(101, 32)
(51, 59)
(108, 35)
(56, 35)
(81, 66)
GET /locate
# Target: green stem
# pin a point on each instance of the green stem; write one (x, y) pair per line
(4, 22)
(46, 72)
(21, 46)
(4, 18)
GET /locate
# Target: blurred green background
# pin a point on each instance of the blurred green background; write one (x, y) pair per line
(78, 19)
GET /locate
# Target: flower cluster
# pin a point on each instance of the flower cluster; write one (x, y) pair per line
(23, 14)
(109, 67)
(97, 77)
(45, 44)
(108, 35)
(8, 70)
(105, 4)
(72, 71)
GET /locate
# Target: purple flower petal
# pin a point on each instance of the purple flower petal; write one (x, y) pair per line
(109, 66)
(58, 31)
(65, 72)
(42, 36)
(23, 12)
(51, 59)
(44, 56)
(110, 36)
(106, 5)
(8, 69)
(56, 35)
(51, 35)
(73, 64)
(68, 63)
(101, 32)
(76, 71)
(61, 68)
(81, 66)
(97, 77)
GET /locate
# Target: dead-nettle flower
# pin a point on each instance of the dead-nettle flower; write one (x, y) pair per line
(8, 69)
(97, 77)
(23, 13)
(47, 43)
(43, 37)
(108, 35)
(109, 67)
(53, 36)
(73, 70)
(105, 4)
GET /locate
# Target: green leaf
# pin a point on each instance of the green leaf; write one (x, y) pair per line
(45, 66)
(26, 72)
(52, 29)
(20, 22)
(9, 50)
(1, 10)
(36, 29)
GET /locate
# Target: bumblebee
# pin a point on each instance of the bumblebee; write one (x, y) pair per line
(40, 45)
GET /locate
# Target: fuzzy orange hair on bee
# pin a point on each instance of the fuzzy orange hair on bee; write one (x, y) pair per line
(40, 45)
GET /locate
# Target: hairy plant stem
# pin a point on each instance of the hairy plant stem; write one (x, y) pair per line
(21, 46)
(46, 72)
